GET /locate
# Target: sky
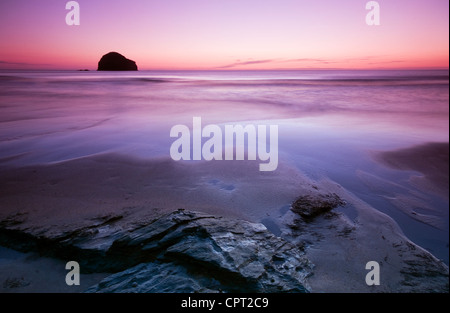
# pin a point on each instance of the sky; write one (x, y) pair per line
(226, 34)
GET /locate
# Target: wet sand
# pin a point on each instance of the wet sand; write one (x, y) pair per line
(30, 272)
(44, 199)
(85, 187)
(340, 247)
(431, 160)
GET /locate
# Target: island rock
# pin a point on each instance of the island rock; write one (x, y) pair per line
(114, 61)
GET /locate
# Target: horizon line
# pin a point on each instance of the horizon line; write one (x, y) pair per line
(239, 70)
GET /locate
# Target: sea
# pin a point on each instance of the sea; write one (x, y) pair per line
(330, 122)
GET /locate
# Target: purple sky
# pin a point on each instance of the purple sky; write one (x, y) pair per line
(226, 34)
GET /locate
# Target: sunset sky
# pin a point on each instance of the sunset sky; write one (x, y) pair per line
(225, 34)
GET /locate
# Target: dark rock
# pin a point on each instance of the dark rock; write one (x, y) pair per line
(310, 206)
(152, 278)
(203, 253)
(177, 252)
(15, 283)
(114, 61)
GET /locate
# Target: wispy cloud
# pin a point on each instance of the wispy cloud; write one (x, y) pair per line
(239, 63)
(327, 61)
(306, 60)
(13, 63)
(387, 62)
(22, 63)
(312, 62)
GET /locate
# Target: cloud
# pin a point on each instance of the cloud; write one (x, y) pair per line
(326, 61)
(387, 62)
(246, 63)
(21, 63)
(13, 63)
(243, 63)
(369, 60)
(307, 60)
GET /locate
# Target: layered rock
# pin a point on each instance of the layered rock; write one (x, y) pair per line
(178, 252)
(151, 250)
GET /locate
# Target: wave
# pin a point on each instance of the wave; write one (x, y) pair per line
(250, 78)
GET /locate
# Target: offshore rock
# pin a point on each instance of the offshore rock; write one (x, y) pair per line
(114, 61)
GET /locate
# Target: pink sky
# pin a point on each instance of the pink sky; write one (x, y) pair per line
(226, 34)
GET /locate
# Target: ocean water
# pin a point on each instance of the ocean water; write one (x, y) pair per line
(329, 121)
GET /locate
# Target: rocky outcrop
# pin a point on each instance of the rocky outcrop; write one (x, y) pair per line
(194, 252)
(151, 250)
(178, 252)
(114, 61)
(340, 245)
(309, 206)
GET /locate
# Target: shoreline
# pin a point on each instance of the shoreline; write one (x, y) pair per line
(96, 191)
(430, 159)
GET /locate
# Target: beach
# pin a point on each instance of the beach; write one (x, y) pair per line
(77, 161)
(431, 160)
(64, 199)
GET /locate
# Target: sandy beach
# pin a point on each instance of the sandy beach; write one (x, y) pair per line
(87, 173)
(62, 198)
(431, 160)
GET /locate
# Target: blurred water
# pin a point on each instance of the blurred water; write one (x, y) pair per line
(97, 111)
